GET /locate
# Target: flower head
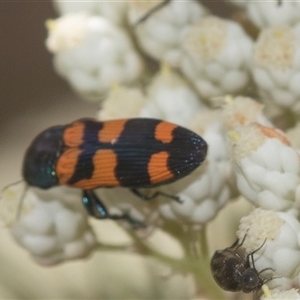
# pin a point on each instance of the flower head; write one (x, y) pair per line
(276, 66)
(216, 57)
(122, 102)
(291, 294)
(169, 97)
(161, 35)
(271, 13)
(266, 166)
(102, 55)
(52, 225)
(115, 11)
(241, 111)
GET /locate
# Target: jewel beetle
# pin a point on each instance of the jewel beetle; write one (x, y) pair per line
(132, 153)
(233, 272)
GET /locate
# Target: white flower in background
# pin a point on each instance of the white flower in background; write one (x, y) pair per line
(122, 102)
(278, 232)
(206, 190)
(236, 112)
(92, 54)
(276, 66)
(266, 166)
(216, 57)
(52, 225)
(161, 35)
(241, 111)
(292, 294)
(272, 13)
(66, 33)
(170, 98)
(115, 11)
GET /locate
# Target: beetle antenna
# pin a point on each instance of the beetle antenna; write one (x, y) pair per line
(19, 209)
(11, 184)
(20, 205)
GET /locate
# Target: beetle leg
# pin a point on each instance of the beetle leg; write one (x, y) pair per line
(97, 209)
(250, 258)
(157, 193)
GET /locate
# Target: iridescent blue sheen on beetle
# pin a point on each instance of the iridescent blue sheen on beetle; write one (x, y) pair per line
(41, 156)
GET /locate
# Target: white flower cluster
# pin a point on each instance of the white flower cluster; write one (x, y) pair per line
(267, 167)
(162, 35)
(267, 171)
(216, 57)
(253, 153)
(170, 98)
(270, 13)
(52, 225)
(276, 66)
(291, 294)
(115, 11)
(92, 53)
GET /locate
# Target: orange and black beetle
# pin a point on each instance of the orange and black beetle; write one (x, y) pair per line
(132, 153)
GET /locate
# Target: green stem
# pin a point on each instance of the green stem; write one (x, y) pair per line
(203, 243)
(197, 265)
(114, 248)
(203, 275)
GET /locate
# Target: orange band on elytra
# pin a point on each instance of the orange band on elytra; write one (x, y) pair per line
(66, 165)
(73, 135)
(104, 162)
(111, 131)
(158, 167)
(164, 132)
